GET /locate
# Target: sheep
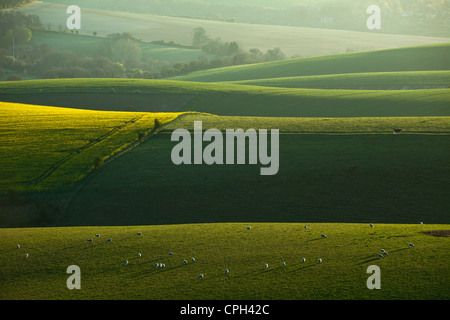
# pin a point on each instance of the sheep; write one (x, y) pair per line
(306, 226)
(162, 265)
(371, 225)
(284, 264)
(304, 260)
(139, 255)
(18, 246)
(200, 276)
(126, 262)
(193, 259)
(109, 240)
(156, 265)
(170, 254)
(421, 223)
(323, 235)
(320, 260)
(26, 255)
(385, 253)
(411, 244)
(90, 240)
(266, 266)
(97, 235)
(248, 228)
(226, 271)
(139, 233)
(380, 255)
(185, 262)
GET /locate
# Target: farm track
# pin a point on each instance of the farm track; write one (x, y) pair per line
(48, 172)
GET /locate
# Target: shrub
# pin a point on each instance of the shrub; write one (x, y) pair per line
(13, 77)
(98, 162)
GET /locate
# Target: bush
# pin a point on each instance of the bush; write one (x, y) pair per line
(98, 162)
(13, 77)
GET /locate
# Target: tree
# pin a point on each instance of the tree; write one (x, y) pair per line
(19, 34)
(200, 38)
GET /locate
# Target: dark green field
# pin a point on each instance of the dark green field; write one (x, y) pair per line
(399, 179)
(225, 99)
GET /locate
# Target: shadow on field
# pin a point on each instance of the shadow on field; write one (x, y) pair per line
(371, 258)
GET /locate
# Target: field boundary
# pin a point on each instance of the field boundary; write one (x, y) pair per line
(79, 186)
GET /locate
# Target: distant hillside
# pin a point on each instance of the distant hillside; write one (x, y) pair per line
(364, 81)
(420, 58)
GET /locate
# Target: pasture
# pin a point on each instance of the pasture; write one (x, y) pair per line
(407, 273)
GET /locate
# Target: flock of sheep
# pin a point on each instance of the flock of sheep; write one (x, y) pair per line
(227, 271)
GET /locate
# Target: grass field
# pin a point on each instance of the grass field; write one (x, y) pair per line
(225, 99)
(409, 80)
(305, 42)
(420, 58)
(48, 148)
(400, 179)
(407, 273)
(88, 45)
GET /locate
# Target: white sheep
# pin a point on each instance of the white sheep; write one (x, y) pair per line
(18, 246)
(380, 255)
(284, 264)
(306, 226)
(200, 276)
(411, 244)
(156, 265)
(170, 253)
(26, 255)
(185, 262)
(371, 225)
(109, 240)
(193, 259)
(226, 271)
(304, 260)
(97, 235)
(139, 255)
(139, 233)
(323, 235)
(266, 266)
(90, 240)
(126, 262)
(421, 223)
(248, 228)
(320, 260)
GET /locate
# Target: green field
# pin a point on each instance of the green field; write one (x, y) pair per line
(225, 99)
(88, 45)
(408, 80)
(406, 273)
(400, 179)
(305, 42)
(421, 58)
(48, 148)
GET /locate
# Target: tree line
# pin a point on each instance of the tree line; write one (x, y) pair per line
(119, 55)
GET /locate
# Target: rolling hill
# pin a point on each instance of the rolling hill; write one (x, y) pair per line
(408, 80)
(225, 99)
(406, 273)
(420, 58)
